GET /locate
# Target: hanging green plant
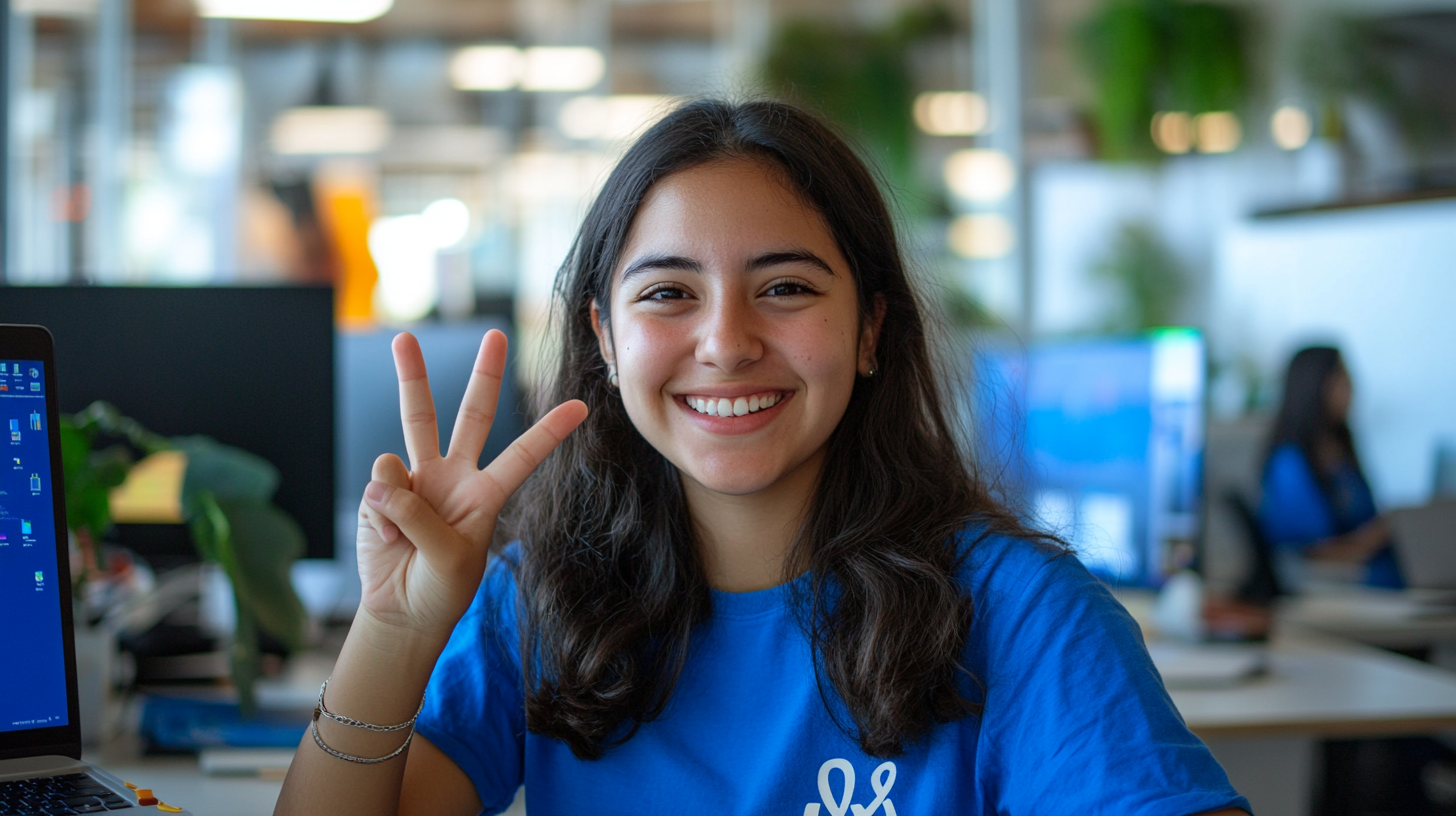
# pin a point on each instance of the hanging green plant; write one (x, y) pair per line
(1146, 56)
(859, 78)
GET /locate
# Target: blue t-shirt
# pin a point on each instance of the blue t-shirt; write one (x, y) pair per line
(1076, 719)
(1295, 513)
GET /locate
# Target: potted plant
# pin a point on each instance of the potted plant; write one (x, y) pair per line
(226, 502)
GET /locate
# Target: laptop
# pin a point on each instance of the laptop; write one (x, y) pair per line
(1425, 544)
(41, 770)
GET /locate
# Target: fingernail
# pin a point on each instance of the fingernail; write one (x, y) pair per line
(375, 493)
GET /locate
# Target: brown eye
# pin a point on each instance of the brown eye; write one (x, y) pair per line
(661, 293)
(787, 289)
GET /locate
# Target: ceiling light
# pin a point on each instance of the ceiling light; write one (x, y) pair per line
(613, 118)
(1173, 132)
(557, 68)
(486, 68)
(329, 130)
(446, 222)
(980, 175)
(404, 253)
(317, 11)
(1290, 128)
(983, 237)
(1217, 132)
(951, 113)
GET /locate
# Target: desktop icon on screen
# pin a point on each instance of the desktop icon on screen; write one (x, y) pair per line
(35, 482)
(34, 372)
(35, 420)
(14, 430)
(35, 386)
(2, 368)
(17, 460)
(39, 577)
(24, 527)
(4, 387)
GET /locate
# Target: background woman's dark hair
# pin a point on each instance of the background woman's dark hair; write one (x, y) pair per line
(1304, 418)
(611, 584)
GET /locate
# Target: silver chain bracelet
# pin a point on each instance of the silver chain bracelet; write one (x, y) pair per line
(320, 711)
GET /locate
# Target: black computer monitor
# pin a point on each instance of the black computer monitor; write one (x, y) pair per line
(252, 367)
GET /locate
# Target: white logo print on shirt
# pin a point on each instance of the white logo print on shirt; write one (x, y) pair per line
(881, 780)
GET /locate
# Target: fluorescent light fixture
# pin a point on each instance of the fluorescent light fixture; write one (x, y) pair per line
(1217, 132)
(1290, 127)
(329, 130)
(983, 237)
(486, 68)
(1173, 132)
(315, 11)
(562, 68)
(55, 8)
(613, 118)
(980, 175)
(951, 113)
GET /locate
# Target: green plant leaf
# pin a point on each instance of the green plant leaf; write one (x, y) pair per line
(229, 473)
(266, 542)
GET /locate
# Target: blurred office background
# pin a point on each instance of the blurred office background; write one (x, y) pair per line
(1068, 174)
(1270, 172)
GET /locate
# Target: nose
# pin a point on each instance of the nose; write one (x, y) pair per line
(729, 337)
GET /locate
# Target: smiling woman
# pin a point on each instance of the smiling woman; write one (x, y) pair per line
(758, 564)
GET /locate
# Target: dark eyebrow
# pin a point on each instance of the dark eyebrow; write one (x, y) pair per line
(661, 262)
(788, 256)
(686, 264)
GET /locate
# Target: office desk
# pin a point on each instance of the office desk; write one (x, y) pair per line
(1266, 731)
(1384, 618)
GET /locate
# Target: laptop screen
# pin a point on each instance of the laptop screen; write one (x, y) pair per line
(31, 635)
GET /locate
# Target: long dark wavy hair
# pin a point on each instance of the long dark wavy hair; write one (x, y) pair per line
(611, 584)
(1304, 418)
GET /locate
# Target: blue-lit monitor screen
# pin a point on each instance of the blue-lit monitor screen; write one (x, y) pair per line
(33, 682)
(1102, 440)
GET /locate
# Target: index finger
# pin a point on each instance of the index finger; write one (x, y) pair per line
(516, 463)
(416, 406)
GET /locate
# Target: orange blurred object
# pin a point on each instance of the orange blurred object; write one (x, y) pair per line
(346, 206)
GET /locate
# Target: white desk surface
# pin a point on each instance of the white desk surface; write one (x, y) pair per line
(1385, 618)
(1323, 687)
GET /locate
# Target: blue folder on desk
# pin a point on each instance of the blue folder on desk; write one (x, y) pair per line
(176, 724)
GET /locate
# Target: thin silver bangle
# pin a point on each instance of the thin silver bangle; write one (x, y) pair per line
(322, 710)
(313, 727)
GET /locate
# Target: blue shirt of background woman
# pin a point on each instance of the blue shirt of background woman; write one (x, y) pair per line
(1316, 500)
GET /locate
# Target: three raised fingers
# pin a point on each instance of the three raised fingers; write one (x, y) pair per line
(477, 409)
(416, 406)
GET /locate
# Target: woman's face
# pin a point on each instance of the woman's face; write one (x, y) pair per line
(735, 329)
(1339, 392)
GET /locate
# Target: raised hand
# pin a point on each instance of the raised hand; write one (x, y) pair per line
(424, 530)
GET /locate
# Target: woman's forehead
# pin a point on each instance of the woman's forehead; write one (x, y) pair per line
(726, 210)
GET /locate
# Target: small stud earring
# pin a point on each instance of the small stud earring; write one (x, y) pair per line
(874, 369)
(612, 379)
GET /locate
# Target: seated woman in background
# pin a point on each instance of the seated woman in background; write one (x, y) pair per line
(1316, 500)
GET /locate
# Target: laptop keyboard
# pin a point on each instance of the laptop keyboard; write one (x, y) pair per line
(58, 796)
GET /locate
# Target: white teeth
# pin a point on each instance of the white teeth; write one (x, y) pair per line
(739, 406)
